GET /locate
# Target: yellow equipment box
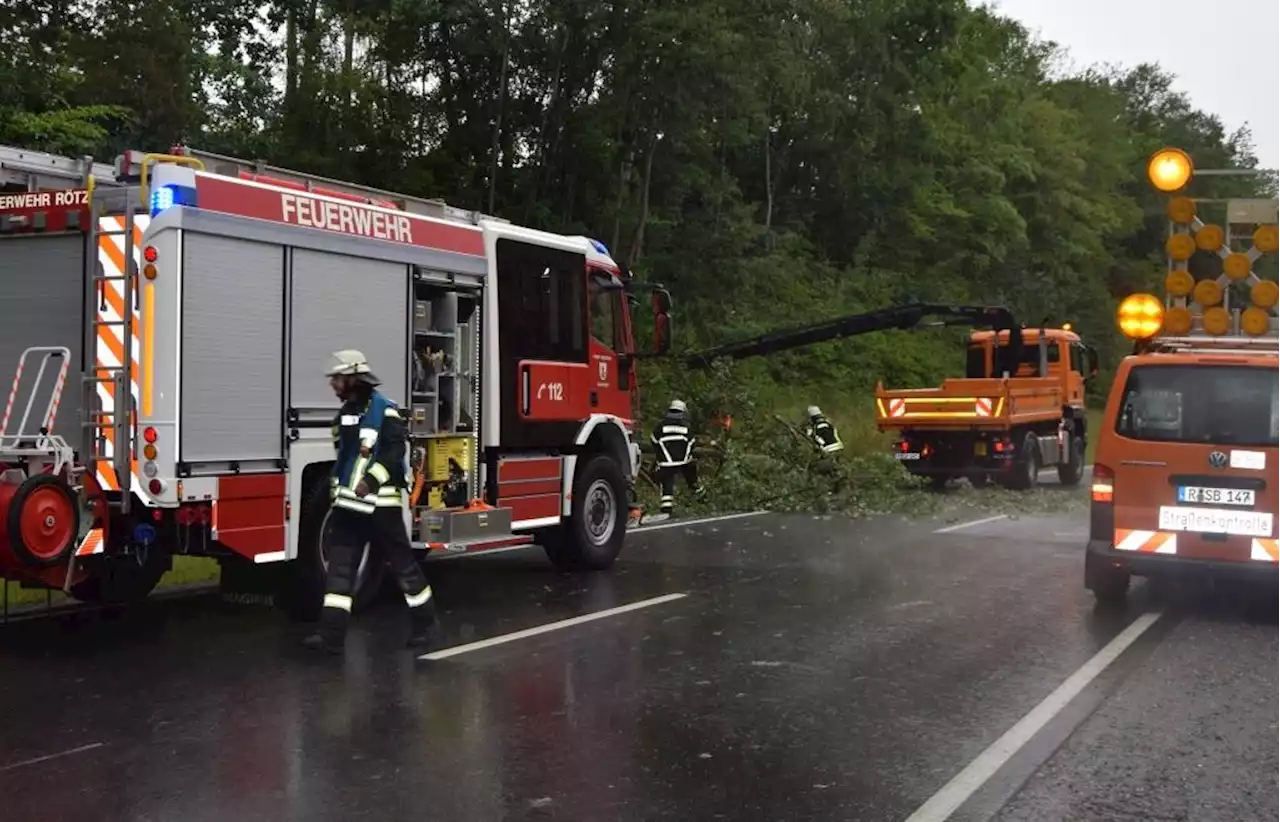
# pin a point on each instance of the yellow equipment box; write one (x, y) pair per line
(440, 450)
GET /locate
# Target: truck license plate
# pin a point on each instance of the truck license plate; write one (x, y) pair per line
(1216, 496)
(1216, 521)
(907, 455)
(980, 449)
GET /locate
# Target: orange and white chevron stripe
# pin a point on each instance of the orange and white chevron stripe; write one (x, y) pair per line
(982, 407)
(111, 350)
(1146, 542)
(91, 544)
(1265, 550)
(897, 407)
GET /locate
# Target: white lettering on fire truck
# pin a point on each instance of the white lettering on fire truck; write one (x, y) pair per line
(345, 218)
(44, 199)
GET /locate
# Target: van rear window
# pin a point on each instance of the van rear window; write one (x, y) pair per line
(1219, 404)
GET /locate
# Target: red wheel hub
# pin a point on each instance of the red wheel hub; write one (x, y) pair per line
(47, 522)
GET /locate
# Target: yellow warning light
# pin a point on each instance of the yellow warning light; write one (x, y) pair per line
(1265, 294)
(1267, 239)
(1179, 283)
(1140, 316)
(1207, 293)
(1177, 321)
(1210, 238)
(1181, 210)
(1180, 247)
(1217, 321)
(1169, 169)
(1237, 266)
(1255, 322)
(1066, 326)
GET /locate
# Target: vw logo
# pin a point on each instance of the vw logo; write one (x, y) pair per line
(1218, 459)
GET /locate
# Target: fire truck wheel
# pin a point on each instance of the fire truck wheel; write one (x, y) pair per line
(301, 593)
(1026, 470)
(123, 580)
(1071, 471)
(43, 521)
(592, 537)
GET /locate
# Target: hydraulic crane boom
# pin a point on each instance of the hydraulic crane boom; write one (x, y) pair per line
(897, 317)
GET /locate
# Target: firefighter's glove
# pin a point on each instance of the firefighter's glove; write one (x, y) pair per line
(362, 489)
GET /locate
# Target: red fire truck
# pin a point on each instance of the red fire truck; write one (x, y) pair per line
(197, 298)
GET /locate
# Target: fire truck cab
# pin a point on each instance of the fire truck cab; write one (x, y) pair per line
(1184, 477)
(199, 298)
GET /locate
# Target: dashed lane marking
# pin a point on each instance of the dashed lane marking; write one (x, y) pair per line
(37, 760)
(971, 523)
(551, 626)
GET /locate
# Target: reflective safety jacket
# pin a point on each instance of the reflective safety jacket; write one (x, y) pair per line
(824, 435)
(370, 438)
(673, 441)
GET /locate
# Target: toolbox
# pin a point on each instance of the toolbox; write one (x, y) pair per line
(462, 525)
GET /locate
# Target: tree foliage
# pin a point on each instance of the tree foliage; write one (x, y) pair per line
(772, 161)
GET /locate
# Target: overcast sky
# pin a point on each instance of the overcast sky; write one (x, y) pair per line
(1223, 52)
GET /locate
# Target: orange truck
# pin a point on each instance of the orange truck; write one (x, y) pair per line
(1019, 409)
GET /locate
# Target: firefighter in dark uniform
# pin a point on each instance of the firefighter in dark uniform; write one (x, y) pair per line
(673, 449)
(822, 432)
(368, 481)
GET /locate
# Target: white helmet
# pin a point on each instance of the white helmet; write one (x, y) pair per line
(814, 410)
(678, 405)
(351, 361)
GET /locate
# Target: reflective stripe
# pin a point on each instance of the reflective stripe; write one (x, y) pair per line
(379, 472)
(390, 411)
(675, 429)
(419, 598)
(357, 472)
(368, 436)
(359, 506)
(831, 447)
(340, 601)
(350, 419)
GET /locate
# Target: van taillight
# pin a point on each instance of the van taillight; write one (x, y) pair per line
(1103, 487)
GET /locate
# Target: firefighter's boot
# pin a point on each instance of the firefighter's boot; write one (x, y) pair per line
(667, 504)
(422, 619)
(331, 634)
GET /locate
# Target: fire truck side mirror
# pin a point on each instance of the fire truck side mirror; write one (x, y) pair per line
(661, 333)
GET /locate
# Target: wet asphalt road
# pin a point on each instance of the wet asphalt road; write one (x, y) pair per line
(818, 669)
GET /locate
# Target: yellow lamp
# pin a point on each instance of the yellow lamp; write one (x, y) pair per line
(1210, 238)
(1180, 247)
(1267, 239)
(1177, 321)
(1254, 321)
(1217, 321)
(1179, 283)
(1237, 266)
(1181, 210)
(1169, 169)
(1207, 293)
(1140, 316)
(1265, 294)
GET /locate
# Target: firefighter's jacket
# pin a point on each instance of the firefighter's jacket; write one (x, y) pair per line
(824, 435)
(369, 436)
(673, 441)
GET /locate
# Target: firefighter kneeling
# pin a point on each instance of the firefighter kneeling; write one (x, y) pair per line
(673, 450)
(368, 482)
(822, 432)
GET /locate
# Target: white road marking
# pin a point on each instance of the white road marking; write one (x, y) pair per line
(678, 523)
(963, 785)
(550, 626)
(971, 523)
(47, 757)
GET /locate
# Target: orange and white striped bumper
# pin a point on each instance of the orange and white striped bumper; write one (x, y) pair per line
(91, 544)
(1265, 550)
(1146, 542)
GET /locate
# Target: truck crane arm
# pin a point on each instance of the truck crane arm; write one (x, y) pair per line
(900, 317)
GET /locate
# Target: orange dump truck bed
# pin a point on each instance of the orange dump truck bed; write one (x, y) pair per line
(966, 403)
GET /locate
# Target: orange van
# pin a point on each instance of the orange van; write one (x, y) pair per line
(1185, 474)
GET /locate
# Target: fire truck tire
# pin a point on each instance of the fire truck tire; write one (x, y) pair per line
(1026, 469)
(1071, 471)
(592, 536)
(301, 593)
(1110, 585)
(122, 581)
(43, 521)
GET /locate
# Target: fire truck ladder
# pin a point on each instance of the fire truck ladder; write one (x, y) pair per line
(114, 426)
(36, 170)
(37, 442)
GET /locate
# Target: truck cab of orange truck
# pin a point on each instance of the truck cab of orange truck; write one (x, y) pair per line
(1184, 476)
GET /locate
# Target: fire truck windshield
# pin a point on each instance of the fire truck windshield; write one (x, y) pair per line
(1219, 404)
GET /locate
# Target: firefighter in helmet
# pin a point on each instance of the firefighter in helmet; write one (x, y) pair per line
(822, 433)
(673, 449)
(367, 486)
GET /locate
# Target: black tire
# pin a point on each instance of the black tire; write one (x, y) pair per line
(59, 523)
(1026, 469)
(1071, 471)
(123, 581)
(1109, 584)
(593, 535)
(301, 592)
